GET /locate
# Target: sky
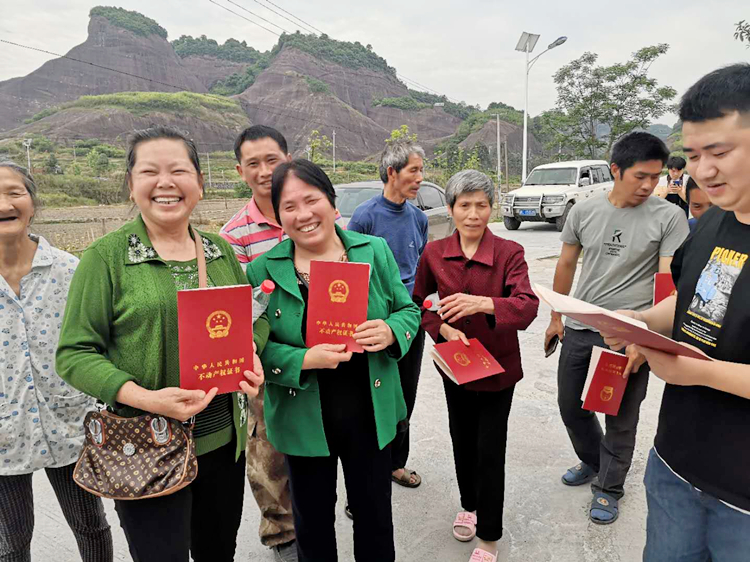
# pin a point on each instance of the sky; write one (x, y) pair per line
(464, 50)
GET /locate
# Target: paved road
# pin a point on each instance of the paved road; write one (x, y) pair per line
(544, 520)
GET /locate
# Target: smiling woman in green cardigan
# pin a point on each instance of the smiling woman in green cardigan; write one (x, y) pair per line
(119, 344)
(323, 404)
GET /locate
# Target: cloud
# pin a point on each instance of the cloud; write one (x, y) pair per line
(462, 49)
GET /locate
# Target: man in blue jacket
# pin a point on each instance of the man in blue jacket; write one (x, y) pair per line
(404, 228)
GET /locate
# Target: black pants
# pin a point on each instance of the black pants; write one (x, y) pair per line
(350, 432)
(409, 369)
(479, 431)
(201, 519)
(608, 454)
(83, 512)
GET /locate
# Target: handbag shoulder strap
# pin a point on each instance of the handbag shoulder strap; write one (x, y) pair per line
(201, 260)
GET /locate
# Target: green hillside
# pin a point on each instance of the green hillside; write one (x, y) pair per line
(142, 103)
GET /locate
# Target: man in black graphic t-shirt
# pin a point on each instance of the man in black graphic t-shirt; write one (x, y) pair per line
(698, 474)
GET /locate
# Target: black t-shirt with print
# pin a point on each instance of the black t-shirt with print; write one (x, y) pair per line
(703, 433)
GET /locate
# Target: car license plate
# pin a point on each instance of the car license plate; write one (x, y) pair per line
(527, 213)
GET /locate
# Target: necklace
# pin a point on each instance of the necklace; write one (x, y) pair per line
(302, 276)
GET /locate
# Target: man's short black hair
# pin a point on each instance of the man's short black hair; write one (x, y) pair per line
(638, 147)
(717, 94)
(257, 132)
(676, 163)
(309, 173)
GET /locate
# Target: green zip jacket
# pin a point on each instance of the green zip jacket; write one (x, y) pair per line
(120, 321)
(294, 419)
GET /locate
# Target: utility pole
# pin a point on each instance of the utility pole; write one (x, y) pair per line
(27, 144)
(334, 151)
(525, 117)
(507, 170)
(208, 158)
(499, 157)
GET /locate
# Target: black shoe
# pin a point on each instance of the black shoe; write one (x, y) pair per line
(286, 552)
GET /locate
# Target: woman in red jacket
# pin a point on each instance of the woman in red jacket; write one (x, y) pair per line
(484, 284)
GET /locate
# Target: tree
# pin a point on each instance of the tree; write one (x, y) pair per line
(97, 161)
(742, 33)
(318, 144)
(51, 165)
(402, 133)
(596, 105)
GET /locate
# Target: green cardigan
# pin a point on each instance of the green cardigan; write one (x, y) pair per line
(120, 322)
(294, 419)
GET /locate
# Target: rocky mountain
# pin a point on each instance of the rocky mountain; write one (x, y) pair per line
(210, 70)
(304, 83)
(108, 45)
(508, 131)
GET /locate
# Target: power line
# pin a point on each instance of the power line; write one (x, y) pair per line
(257, 16)
(295, 17)
(282, 16)
(243, 17)
(180, 88)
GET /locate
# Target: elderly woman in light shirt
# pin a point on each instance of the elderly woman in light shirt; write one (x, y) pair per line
(41, 417)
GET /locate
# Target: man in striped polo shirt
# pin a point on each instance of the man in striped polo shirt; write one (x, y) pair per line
(252, 232)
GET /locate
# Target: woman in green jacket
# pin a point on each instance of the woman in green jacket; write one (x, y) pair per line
(323, 404)
(119, 344)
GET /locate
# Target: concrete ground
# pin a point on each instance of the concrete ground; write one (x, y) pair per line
(544, 520)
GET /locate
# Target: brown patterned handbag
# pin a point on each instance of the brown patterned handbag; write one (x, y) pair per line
(135, 458)
(142, 457)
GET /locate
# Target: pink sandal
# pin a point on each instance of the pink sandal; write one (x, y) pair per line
(468, 520)
(480, 555)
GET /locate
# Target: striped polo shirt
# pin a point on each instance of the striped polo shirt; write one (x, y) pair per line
(251, 234)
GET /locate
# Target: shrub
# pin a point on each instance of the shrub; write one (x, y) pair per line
(243, 191)
(132, 21)
(317, 86)
(64, 200)
(403, 103)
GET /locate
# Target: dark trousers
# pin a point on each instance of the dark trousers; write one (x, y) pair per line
(83, 512)
(409, 369)
(201, 519)
(479, 430)
(350, 433)
(610, 453)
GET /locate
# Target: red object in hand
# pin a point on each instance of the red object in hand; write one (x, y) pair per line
(215, 337)
(267, 286)
(605, 385)
(663, 287)
(462, 363)
(337, 302)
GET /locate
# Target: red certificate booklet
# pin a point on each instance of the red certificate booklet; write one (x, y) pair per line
(464, 364)
(216, 337)
(607, 321)
(337, 302)
(605, 386)
(663, 287)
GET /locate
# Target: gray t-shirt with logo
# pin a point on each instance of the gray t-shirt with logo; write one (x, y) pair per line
(621, 250)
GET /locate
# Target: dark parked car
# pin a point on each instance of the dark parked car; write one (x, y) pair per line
(431, 200)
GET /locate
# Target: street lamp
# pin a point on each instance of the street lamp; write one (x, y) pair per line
(27, 144)
(526, 44)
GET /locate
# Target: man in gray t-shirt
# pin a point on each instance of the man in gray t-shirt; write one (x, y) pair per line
(626, 236)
